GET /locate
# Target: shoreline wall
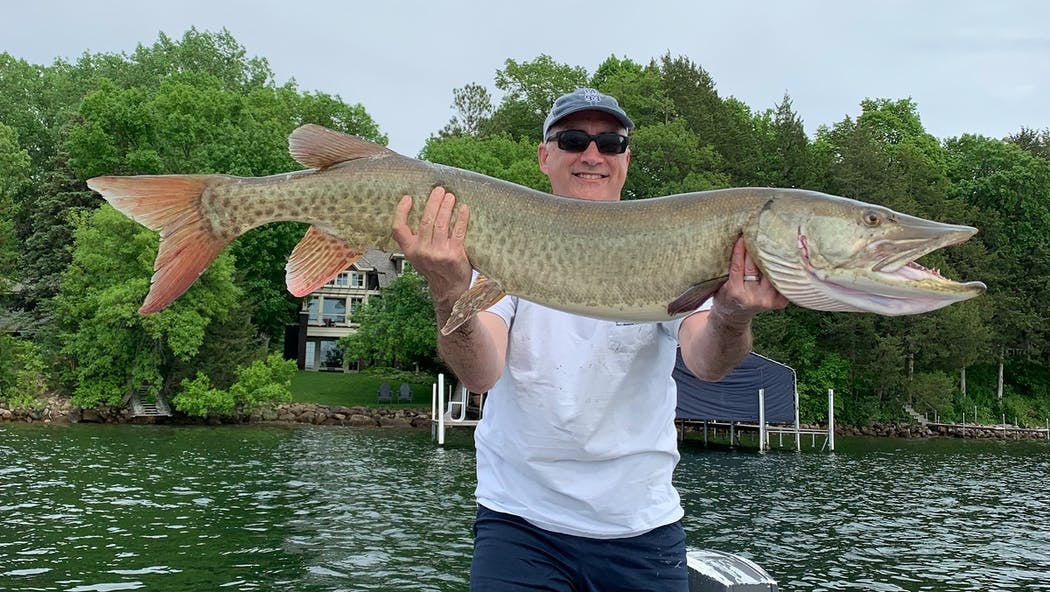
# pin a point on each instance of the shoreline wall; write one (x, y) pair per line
(60, 411)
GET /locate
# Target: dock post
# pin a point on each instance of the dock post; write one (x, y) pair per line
(762, 420)
(798, 424)
(441, 409)
(433, 412)
(831, 420)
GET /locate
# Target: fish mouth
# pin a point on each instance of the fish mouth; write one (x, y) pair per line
(916, 238)
(893, 283)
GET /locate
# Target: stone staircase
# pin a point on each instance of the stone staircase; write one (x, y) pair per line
(139, 408)
(153, 410)
(918, 417)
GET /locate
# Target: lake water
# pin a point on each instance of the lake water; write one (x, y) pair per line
(303, 508)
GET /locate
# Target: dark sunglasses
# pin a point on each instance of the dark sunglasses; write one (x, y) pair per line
(579, 140)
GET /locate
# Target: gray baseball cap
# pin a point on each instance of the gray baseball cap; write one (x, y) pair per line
(585, 99)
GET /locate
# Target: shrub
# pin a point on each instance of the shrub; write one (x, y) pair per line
(261, 383)
(22, 382)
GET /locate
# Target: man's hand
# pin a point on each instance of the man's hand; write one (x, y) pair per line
(747, 292)
(713, 342)
(436, 249)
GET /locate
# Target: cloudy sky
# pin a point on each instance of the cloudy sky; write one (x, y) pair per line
(973, 66)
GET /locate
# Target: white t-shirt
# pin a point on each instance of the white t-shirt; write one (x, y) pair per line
(578, 434)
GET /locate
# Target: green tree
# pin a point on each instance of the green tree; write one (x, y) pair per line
(22, 382)
(397, 330)
(530, 88)
(213, 110)
(496, 155)
(639, 90)
(667, 158)
(108, 348)
(1011, 188)
(229, 343)
(472, 106)
(14, 169)
(1037, 142)
(46, 231)
(726, 125)
(785, 158)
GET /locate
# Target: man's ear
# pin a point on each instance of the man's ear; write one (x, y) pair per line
(541, 155)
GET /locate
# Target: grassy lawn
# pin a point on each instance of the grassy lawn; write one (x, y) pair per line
(354, 389)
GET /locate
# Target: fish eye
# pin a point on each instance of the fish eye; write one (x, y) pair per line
(872, 218)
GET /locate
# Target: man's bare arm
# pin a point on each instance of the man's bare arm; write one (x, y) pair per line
(475, 352)
(713, 342)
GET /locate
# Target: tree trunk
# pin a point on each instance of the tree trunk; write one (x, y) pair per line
(962, 381)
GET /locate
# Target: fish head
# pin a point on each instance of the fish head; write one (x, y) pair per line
(837, 254)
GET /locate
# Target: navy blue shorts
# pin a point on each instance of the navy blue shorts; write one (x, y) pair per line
(510, 554)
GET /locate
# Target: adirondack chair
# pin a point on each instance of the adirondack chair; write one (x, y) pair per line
(385, 395)
(404, 394)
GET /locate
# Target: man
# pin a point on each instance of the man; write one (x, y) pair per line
(577, 446)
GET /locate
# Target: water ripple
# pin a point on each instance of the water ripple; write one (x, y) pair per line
(315, 509)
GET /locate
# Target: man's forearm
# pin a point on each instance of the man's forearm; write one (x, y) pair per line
(470, 352)
(718, 346)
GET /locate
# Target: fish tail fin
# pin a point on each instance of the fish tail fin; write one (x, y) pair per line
(169, 204)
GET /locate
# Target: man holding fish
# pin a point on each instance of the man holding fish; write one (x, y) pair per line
(577, 447)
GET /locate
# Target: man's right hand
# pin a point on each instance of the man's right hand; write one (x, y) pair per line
(435, 249)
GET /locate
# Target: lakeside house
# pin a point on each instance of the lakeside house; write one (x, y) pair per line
(327, 314)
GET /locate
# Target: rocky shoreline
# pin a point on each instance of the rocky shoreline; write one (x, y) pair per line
(916, 430)
(60, 411)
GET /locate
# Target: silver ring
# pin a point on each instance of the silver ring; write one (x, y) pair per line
(750, 278)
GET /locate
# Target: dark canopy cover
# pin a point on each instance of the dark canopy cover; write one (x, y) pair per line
(735, 398)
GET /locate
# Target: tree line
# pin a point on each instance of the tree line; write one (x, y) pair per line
(74, 271)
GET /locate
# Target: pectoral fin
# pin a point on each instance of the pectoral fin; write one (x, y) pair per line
(692, 298)
(317, 258)
(483, 294)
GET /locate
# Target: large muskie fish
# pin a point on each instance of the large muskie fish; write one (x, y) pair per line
(644, 260)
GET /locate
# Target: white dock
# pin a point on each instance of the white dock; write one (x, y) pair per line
(764, 430)
(449, 407)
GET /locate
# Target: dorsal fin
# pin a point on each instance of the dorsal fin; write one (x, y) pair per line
(319, 147)
(317, 258)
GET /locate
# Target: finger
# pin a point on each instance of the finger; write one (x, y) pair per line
(430, 213)
(443, 219)
(400, 229)
(736, 262)
(750, 269)
(459, 230)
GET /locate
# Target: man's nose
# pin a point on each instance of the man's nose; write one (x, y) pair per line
(591, 154)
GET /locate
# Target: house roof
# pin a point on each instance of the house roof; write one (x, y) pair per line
(382, 262)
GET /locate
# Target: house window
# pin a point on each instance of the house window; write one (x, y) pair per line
(357, 280)
(334, 311)
(355, 305)
(331, 355)
(342, 280)
(312, 308)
